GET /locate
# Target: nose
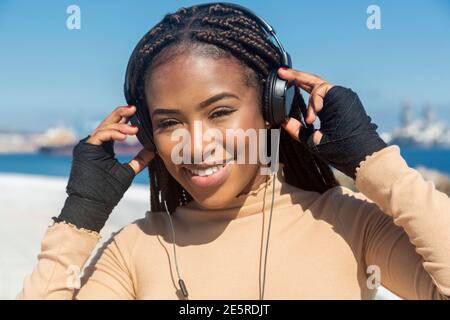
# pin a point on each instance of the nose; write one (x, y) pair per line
(197, 143)
(204, 142)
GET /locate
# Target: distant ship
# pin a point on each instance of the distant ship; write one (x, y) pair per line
(57, 140)
(419, 133)
(61, 141)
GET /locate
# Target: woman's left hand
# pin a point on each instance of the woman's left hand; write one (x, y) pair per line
(346, 135)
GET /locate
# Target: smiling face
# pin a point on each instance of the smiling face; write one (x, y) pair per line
(196, 89)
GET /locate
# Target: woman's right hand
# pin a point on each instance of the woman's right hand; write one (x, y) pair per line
(97, 179)
(115, 127)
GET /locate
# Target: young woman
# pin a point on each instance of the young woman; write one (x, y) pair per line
(207, 64)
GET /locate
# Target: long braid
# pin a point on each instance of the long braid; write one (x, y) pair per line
(232, 33)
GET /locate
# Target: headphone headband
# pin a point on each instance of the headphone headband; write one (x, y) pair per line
(285, 57)
(270, 31)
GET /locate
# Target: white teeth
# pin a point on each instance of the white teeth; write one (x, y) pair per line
(207, 172)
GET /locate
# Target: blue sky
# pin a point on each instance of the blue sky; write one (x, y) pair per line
(50, 75)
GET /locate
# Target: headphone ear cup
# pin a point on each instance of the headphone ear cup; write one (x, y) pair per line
(143, 135)
(279, 96)
(265, 102)
(267, 97)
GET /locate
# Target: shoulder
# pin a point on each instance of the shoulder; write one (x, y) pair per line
(339, 205)
(143, 229)
(343, 194)
(346, 208)
(331, 202)
(131, 243)
(333, 198)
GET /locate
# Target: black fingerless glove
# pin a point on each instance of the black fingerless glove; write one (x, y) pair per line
(348, 133)
(96, 184)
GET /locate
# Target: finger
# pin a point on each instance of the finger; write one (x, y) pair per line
(116, 115)
(315, 102)
(318, 95)
(123, 120)
(310, 114)
(122, 127)
(106, 135)
(296, 130)
(292, 126)
(304, 80)
(317, 137)
(141, 160)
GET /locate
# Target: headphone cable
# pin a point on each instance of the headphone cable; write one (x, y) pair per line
(270, 218)
(181, 283)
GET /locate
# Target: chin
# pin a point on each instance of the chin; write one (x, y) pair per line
(215, 202)
(216, 199)
(239, 179)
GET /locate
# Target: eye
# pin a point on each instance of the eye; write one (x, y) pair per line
(224, 111)
(166, 123)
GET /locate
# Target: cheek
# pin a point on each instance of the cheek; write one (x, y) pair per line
(165, 145)
(246, 131)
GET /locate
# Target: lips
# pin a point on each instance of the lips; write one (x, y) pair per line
(208, 175)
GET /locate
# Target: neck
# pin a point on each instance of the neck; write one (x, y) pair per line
(254, 183)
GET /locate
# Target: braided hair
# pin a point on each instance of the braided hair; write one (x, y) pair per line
(221, 31)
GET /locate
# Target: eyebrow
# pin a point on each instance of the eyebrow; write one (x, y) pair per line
(201, 105)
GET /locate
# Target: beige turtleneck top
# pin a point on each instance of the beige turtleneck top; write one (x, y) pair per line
(334, 245)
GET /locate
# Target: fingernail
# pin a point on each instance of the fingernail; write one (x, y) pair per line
(130, 106)
(283, 68)
(133, 126)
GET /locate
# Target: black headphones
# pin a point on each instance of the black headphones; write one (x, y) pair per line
(277, 98)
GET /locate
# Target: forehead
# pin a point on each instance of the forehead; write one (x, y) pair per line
(193, 77)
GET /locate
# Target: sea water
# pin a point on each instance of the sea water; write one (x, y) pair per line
(59, 165)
